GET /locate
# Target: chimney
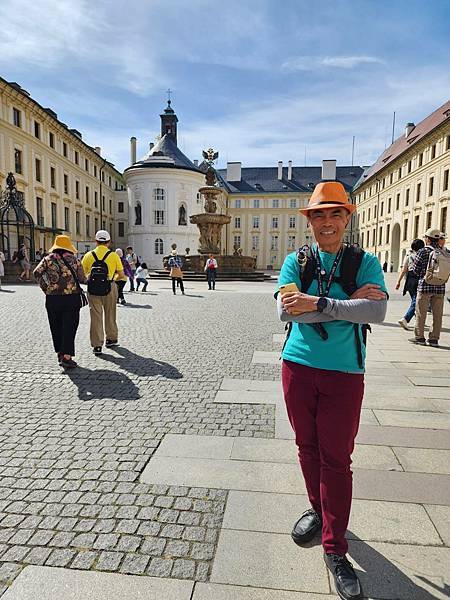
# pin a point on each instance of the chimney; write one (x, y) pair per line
(98, 150)
(290, 170)
(280, 170)
(133, 150)
(196, 162)
(328, 170)
(234, 171)
(409, 127)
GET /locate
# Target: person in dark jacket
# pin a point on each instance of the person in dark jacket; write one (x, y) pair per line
(174, 264)
(411, 282)
(59, 275)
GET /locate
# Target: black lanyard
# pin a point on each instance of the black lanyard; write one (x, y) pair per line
(321, 272)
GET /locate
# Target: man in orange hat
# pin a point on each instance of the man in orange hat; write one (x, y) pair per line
(341, 288)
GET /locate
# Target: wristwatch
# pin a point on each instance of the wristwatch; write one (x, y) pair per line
(322, 303)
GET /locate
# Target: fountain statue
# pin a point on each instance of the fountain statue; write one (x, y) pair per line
(210, 222)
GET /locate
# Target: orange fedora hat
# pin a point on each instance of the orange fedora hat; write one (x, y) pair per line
(328, 194)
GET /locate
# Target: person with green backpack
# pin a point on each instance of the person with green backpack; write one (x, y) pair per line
(102, 266)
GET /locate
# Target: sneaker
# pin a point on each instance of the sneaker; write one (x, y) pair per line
(434, 343)
(110, 343)
(418, 341)
(68, 363)
(345, 579)
(404, 323)
(97, 350)
(306, 527)
(123, 302)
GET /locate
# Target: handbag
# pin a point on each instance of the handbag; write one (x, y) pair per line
(83, 297)
(176, 273)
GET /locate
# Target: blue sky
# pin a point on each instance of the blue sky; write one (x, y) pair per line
(259, 80)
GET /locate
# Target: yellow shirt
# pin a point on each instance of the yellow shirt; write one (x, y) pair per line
(112, 261)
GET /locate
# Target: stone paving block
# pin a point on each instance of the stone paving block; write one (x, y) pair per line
(283, 430)
(218, 591)
(49, 583)
(195, 446)
(440, 515)
(404, 436)
(251, 385)
(248, 397)
(400, 571)
(267, 358)
(412, 392)
(405, 418)
(271, 561)
(430, 381)
(225, 474)
(370, 520)
(424, 460)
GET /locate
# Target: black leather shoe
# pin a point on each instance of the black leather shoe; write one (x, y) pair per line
(345, 579)
(306, 527)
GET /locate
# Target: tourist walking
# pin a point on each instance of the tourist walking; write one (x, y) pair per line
(134, 263)
(102, 266)
(411, 282)
(211, 271)
(2, 267)
(122, 280)
(175, 264)
(59, 275)
(23, 259)
(323, 368)
(428, 292)
(141, 277)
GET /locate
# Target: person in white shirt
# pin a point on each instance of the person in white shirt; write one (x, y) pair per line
(141, 277)
(211, 272)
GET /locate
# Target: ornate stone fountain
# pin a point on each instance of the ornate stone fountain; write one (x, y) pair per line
(210, 222)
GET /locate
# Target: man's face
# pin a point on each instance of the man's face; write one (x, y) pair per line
(328, 224)
(441, 242)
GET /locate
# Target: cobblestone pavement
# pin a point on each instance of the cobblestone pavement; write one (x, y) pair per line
(72, 446)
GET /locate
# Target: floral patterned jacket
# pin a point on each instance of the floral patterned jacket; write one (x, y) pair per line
(55, 278)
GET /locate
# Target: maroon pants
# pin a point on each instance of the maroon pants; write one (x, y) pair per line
(324, 409)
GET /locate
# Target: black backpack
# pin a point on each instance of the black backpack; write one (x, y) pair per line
(350, 263)
(99, 283)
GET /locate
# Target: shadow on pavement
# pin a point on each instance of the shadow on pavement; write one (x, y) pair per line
(194, 295)
(128, 305)
(381, 578)
(7, 291)
(102, 384)
(140, 365)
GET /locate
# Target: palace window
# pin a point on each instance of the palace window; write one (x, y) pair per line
(182, 220)
(37, 164)
(77, 222)
(54, 219)
(447, 142)
(292, 203)
(51, 139)
(388, 231)
(274, 242)
(429, 217)
(18, 161)
(120, 207)
(443, 223)
(405, 230)
(66, 219)
(39, 212)
(381, 209)
(121, 229)
(77, 190)
(416, 226)
(292, 222)
(76, 157)
(237, 222)
(274, 222)
(431, 186)
(53, 177)
(380, 236)
(237, 204)
(407, 197)
(409, 166)
(17, 117)
(291, 242)
(389, 205)
(159, 218)
(65, 149)
(86, 165)
(445, 182)
(420, 159)
(88, 226)
(255, 223)
(433, 152)
(159, 198)
(87, 194)
(237, 241)
(419, 185)
(275, 203)
(397, 201)
(37, 130)
(66, 183)
(95, 199)
(255, 242)
(159, 246)
(256, 203)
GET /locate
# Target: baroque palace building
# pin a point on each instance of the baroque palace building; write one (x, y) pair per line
(264, 205)
(67, 186)
(407, 190)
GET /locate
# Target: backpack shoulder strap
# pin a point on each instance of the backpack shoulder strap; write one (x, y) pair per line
(351, 261)
(308, 271)
(106, 255)
(95, 256)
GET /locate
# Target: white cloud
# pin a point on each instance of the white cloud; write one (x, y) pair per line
(310, 63)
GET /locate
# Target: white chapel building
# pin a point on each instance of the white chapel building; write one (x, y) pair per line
(162, 193)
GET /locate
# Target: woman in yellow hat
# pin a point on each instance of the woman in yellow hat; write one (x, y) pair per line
(59, 275)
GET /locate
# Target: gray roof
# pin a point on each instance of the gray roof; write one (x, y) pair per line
(167, 147)
(265, 179)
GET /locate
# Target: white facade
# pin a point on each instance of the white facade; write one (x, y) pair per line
(158, 193)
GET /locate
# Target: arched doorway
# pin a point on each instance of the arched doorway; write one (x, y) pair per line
(395, 247)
